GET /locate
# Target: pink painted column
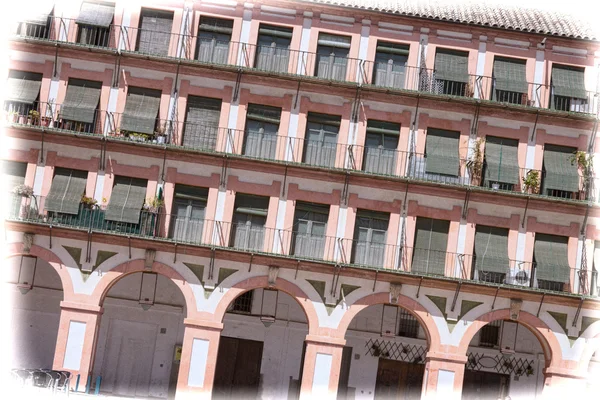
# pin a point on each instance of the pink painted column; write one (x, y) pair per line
(198, 359)
(444, 374)
(76, 341)
(322, 363)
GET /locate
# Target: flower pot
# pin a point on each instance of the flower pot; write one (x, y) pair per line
(495, 186)
(22, 119)
(14, 118)
(160, 140)
(29, 120)
(45, 121)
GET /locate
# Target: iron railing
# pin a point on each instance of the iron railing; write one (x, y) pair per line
(283, 242)
(281, 60)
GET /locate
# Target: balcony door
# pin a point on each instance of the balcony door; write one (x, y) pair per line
(430, 248)
(273, 49)
(310, 225)
(189, 206)
(370, 235)
(390, 65)
(249, 219)
(381, 147)
(321, 139)
(214, 38)
(262, 125)
(332, 56)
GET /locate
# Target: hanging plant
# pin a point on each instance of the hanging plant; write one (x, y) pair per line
(475, 163)
(531, 182)
(88, 202)
(153, 204)
(23, 190)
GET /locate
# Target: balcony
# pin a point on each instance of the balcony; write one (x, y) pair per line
(259, 239)
(281, 61)
(324, 153)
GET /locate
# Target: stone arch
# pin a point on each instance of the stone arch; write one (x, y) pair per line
(110, 278)
(16, 249)
(549, 342)
(410, 305)
(260, 282)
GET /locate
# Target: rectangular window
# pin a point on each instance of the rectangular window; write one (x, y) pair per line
(154, 33)
(491, 254)
(37, 22)
(509, 81)
(431, 246)
(126, 200)
(214, 38)
(560, 176)
(332, 56)
(273, 48)
(550, 256)
(381, 146)
(370, 233)
(320, 144)
(201, 127)
(243, 303)
(501, 164)
(13, 173)
(451, 68)
(441, 152)
(249, 218)
(22, 92)
(79, 111)
(94, 22)
(408, 324)
(262, 125)
(187, 215)
(390, 65)
(489, 334)
(568, 88)
(141, 111)
(68, 187)
(310, 226)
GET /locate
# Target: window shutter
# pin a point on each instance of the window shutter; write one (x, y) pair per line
(560, 173)
(383, 127)
(441, 149)
(509, 75)
(155, 32)
(551, 258)
(14, 173)
(96, 14)
(568, 81)
(326, 39)
(81, 100)
(191, 193)
(68, 186)
(326, 119)
(452, 66)
(491, 249)
(202, 122)
(23, 87)
(126, 200)
(252, 205)
(278, 31)
(218, 25)
(393, 48)
(141, 110)
(262, 113)
(40, 15)
(501, 158)
(431, 245)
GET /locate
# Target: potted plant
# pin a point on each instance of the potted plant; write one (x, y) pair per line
(34, 117)
(45, 121)
(13, 117)
(531, 182)
(469, 90)
(89, 203)
(22, 119)
(23, 190)
(153, 205)
(584, 163)
(475, 163)
(160, 135)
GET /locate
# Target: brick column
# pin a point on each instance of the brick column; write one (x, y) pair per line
(562, 383)
(198, 359)
(76, 341)
(444, 375)
(322, 363)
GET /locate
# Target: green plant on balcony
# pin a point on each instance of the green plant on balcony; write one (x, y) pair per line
(584, 163)
(34, 117)
(88, 202)
(23, 190)
(475, 162)
(153, 204)
(13, 117)
(531, 182)
(138, 137)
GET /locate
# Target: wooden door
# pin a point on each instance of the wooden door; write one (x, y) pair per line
(399, 380)
(237, 372)
(481, 385)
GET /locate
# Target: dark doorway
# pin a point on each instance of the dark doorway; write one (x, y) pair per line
(237, 375)
(344, 373)
(399, 380)
(480, 385)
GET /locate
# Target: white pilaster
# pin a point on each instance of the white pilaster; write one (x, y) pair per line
(74, 347)
(99, 187)
(38, 179)
(245, 32)
(304, 43)
(198, 360)
(291, 142)
(320, 384)
(480, 62)
(363, 47)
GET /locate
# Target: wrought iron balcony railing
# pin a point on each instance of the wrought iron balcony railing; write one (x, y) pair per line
(322, 153)
(159, 225)
(197, 49)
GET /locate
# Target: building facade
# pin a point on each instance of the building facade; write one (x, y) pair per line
(298, 199)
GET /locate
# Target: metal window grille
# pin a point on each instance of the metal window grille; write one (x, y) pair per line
(409, 325)
(489, 335)
(243, 303)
